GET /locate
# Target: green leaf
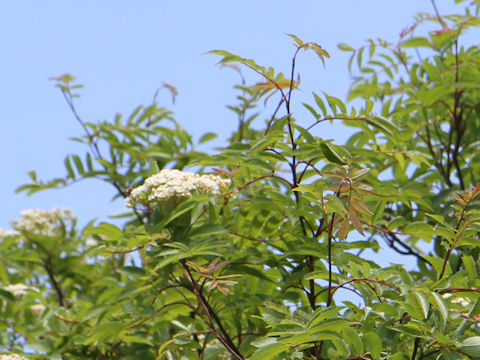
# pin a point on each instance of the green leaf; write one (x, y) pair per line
(104, 331)
(382, 124)
(207, 137)
(470, 267)
(312, 111)
(345, 47)
(335, 205)
(320, 104)
(269, 351)
(136, 339)
(471, 346)
(306, 134)
(439, 303)
(420, 303)
(331, 154)
(418, 228)
(335, 103)
(78, 164)
(110, 231)
(351, 337)
(207, 229)
(373, 344)
(298, 41)
(416, 42)
(329, 325)
(7, 295)
(68, 165)
(132, 271)
(406, 277)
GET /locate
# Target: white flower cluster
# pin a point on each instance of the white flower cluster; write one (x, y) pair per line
(42, 222)
(37, 309)
(12, 357)
(175, 184)
(19, 289)
(457, 300)
(4, 233)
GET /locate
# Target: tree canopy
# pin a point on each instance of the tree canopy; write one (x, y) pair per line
(259, 249)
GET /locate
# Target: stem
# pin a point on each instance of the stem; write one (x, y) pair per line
(48, 266)
(93, 145)
(329, 246)
(415, 348)
(212, 316)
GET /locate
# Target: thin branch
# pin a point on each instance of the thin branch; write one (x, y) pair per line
(415, 348)
(93, 145)
(213, 319)
(241, 187)
(49, 269)
(367, 280)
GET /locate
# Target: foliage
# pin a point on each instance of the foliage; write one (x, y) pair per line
(253, 268)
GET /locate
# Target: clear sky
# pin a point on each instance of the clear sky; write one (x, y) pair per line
(121, 51)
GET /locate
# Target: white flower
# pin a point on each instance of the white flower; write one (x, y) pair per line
(12, 357)
(37, 309)
(461, 301)
(91, 242)
(4, 233)
(42, 222)
(175, 184)
(19, 289)
(458, 300)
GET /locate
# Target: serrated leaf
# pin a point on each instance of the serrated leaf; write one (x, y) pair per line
(132, 271)
(420, 302)
(351, 336)
(374, 344)
(334, 102)
(471, 346)
(136, 339)
(418, 228)
(94, 311)
(334, 205)
(331, 154)
(207, 229)
(110, 231)
(382, 124)
(470, 267)
(269, 351)
(355, 220)
(438, 302)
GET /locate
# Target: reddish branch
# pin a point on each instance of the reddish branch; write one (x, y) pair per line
(212, 318)
(367, 280)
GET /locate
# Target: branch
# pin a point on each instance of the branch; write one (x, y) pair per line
(213, 319)
(48, 268)
(367, 280)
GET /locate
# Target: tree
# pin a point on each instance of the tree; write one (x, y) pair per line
(245, 256)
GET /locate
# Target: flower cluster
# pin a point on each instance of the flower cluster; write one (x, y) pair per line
(175, 184)
(4, 233)
(19, 289)
(12, 357)
(457, 300)
(42, 222)
(37, 309)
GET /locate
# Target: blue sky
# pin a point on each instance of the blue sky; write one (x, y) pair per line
(121, 51)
